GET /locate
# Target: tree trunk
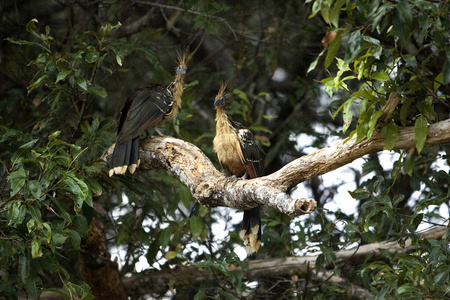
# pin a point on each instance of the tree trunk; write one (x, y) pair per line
(97, 269)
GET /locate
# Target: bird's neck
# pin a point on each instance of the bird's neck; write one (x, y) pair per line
(222, 120)
(176, 88)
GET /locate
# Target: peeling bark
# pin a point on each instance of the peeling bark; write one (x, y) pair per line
(211, 188)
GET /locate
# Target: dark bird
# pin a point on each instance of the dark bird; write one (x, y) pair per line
(146, 107)
(239, 155)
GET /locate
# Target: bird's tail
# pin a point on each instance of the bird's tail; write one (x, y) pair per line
(251, 232)
(125, 156)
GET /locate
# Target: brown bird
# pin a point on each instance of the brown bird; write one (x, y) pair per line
(239, 155)
(146, 107)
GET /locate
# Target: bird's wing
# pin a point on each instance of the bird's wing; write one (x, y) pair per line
(252, 157)
(145, 108)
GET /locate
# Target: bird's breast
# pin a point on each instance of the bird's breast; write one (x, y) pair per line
(226, 145)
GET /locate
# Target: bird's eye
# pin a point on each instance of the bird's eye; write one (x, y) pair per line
(181, 69)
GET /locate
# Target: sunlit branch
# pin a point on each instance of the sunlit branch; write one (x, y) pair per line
(211, 188)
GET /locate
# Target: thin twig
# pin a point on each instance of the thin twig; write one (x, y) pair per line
(198, 13)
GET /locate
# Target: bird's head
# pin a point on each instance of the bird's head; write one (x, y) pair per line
(182, 68)
(220, 97)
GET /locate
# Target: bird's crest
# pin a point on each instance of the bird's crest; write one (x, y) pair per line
(182, 62)
(223, 87)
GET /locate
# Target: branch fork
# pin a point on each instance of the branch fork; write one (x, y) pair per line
(211, 188)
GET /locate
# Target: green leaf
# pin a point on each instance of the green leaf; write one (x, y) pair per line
(313, 65)
(93, 185)
(74, 238)
(35, 188)
(164, 236)
(420, 132)
(405, 109)
(58, 239)
(16, 181)
(380, 76)
(62, 75)
(241, 95)
(359, 194)
(105, 30)
(36, 250)
(389, 132)
(373, 122)
(325, 12)
(196, 225)
(16, 212)
(407, 288)
(79, 189)
(97, 90)
(442, 276)
(31, 225)
(34, 211)
(258, 127)
(427, 108)
(200, 295)
(347, 114)
(354, 45)
(273, 223)
(408, 163)
(36, 83)
(22, 151)
(54, 135)
(81, 225)
(416, 221)
(227, 295)
(319, 261)
(49, 231)
(119, 59)
(31, 28)
(92, 56)
(334, 13)
(446, 72)
(62, 211)
(410, 60)
(31, 284)
(403, 20)
(81, 82)
(185, 195)
(333, 48)
(438, 80)
(170, 255)
(23, 43)
(24, 263)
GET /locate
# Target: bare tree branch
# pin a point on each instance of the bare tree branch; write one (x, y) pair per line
(158, 282)
(211, 188)
(346, 151)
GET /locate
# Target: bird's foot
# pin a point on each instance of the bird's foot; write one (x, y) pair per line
(158, 132)
(233, 179)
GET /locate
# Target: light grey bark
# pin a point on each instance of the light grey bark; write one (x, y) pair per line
(211, 188)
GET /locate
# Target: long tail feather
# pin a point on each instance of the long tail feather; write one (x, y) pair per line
(125, 156)
(251, 232)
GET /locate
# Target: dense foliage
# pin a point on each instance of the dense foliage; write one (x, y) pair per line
(320, 68)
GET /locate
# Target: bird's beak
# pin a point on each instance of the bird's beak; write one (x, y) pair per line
(219, 101)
